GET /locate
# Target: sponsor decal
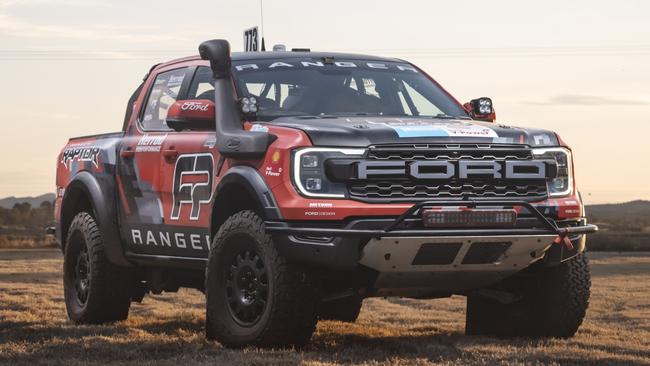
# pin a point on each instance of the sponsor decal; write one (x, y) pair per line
(194, 106)
(272, 173)
(274, 170)
(320, 213)
(170, 239)
(260, 128)
(321, 205)
(192, 184)
(416, 128)
(150, 143)
(80, 154)
(210, 142)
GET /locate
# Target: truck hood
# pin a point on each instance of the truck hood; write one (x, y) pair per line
(366, 131)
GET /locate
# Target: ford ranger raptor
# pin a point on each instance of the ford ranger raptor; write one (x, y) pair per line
(289, 186)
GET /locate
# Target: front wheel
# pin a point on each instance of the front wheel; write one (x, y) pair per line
(253, 295)
(553, 304)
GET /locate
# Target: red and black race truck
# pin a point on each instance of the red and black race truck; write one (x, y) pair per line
(288, 186)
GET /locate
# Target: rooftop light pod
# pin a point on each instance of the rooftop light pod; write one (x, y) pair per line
(562, 184)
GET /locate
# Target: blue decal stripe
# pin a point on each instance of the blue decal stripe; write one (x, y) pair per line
(420, 131)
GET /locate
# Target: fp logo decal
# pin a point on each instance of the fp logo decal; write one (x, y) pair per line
(192, 183)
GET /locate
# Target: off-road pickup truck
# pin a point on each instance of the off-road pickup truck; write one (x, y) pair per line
(290, 185)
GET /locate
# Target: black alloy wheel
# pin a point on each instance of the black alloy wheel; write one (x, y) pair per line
(81, 276)
(247, 288)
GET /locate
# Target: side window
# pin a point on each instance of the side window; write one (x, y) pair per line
(203, 84)
(162, 95)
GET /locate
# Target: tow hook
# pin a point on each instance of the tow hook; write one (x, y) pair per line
(563, 238)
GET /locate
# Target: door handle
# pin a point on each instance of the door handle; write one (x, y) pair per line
(127, 153)
(170, 155)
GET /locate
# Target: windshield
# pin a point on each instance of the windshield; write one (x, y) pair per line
(299, 87)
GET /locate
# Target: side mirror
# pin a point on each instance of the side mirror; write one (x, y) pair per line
(217, 51)
(195, 115)
(481, 109)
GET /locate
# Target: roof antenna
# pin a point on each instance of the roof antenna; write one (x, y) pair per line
(262, 24)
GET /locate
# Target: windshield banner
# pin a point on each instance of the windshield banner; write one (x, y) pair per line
(323, 64)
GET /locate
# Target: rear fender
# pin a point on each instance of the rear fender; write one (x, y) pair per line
(102, 198)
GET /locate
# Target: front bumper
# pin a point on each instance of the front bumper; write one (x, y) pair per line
(345, 246)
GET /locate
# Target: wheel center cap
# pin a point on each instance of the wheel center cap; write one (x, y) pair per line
(246, 283)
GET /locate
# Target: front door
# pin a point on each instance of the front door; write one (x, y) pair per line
(187, 178)
(144, 161)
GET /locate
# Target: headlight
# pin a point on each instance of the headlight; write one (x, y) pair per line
(309, 171)
(562, 185)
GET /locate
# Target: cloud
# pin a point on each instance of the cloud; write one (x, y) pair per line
(588, 100)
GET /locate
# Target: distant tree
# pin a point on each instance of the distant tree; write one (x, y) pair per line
(23, 214)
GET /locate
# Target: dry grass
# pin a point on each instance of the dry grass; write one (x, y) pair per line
(26, 242)
(168, 329)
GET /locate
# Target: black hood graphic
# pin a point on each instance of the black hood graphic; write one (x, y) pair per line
(366, 131)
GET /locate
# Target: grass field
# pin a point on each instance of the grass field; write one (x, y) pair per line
(168, 329)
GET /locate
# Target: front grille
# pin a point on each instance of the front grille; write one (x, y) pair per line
(415, 190)
(411, 190)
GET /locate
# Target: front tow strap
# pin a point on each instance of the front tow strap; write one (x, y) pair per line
(563, 239)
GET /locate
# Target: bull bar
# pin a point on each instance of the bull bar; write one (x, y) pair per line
(549, 226)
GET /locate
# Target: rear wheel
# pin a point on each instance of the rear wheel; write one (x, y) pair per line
(95, 290)
(345, 310)
(254, 296)
(553, 304)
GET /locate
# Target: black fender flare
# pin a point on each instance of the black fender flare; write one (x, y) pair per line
(103, 202)
(251, 180)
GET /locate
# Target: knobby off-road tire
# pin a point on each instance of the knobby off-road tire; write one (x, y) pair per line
(95, 290)
(254, 296)
(345, 310)
(554, 304)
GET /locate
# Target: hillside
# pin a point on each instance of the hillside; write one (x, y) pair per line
(634, 215)
(9, 202)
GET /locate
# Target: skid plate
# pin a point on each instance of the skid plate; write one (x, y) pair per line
(451, 263)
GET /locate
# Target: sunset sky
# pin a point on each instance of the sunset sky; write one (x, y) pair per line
(581, 68)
